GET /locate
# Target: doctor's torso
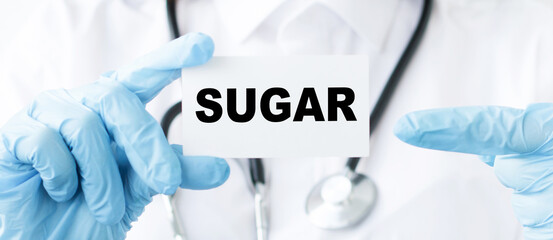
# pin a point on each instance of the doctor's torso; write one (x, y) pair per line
(474, 53)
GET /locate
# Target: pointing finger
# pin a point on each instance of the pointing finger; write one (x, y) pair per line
(483, 130)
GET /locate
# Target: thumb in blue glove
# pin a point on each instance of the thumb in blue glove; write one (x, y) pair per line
(517, 143)
(83, 163)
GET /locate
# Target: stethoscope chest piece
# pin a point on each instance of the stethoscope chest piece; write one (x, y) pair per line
(341, 200)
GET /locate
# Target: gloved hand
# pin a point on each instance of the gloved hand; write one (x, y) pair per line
(517, 143)
(83, 163)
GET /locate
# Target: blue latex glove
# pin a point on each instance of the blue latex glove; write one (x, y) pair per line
(83, 163)
(517, 143)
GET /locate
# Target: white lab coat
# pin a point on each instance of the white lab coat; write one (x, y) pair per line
(474, 53)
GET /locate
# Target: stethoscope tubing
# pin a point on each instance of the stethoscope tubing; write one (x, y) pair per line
(397, 74)
(256, 165)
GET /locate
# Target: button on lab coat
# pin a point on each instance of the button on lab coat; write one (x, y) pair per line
(474, 53)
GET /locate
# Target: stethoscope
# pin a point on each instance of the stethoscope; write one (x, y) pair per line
(337, 201)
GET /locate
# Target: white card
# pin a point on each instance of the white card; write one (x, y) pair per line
(326, 113)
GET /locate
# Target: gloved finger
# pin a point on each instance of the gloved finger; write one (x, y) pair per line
(523, 172)
(137, 196)
(197, 173)
(488, 159)
(135, 131)
(532, 203)
(31, 142)
(483, 130)
(137, 193)
(544, 232)
(202, 172)
(148, 75)
(89, 142)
